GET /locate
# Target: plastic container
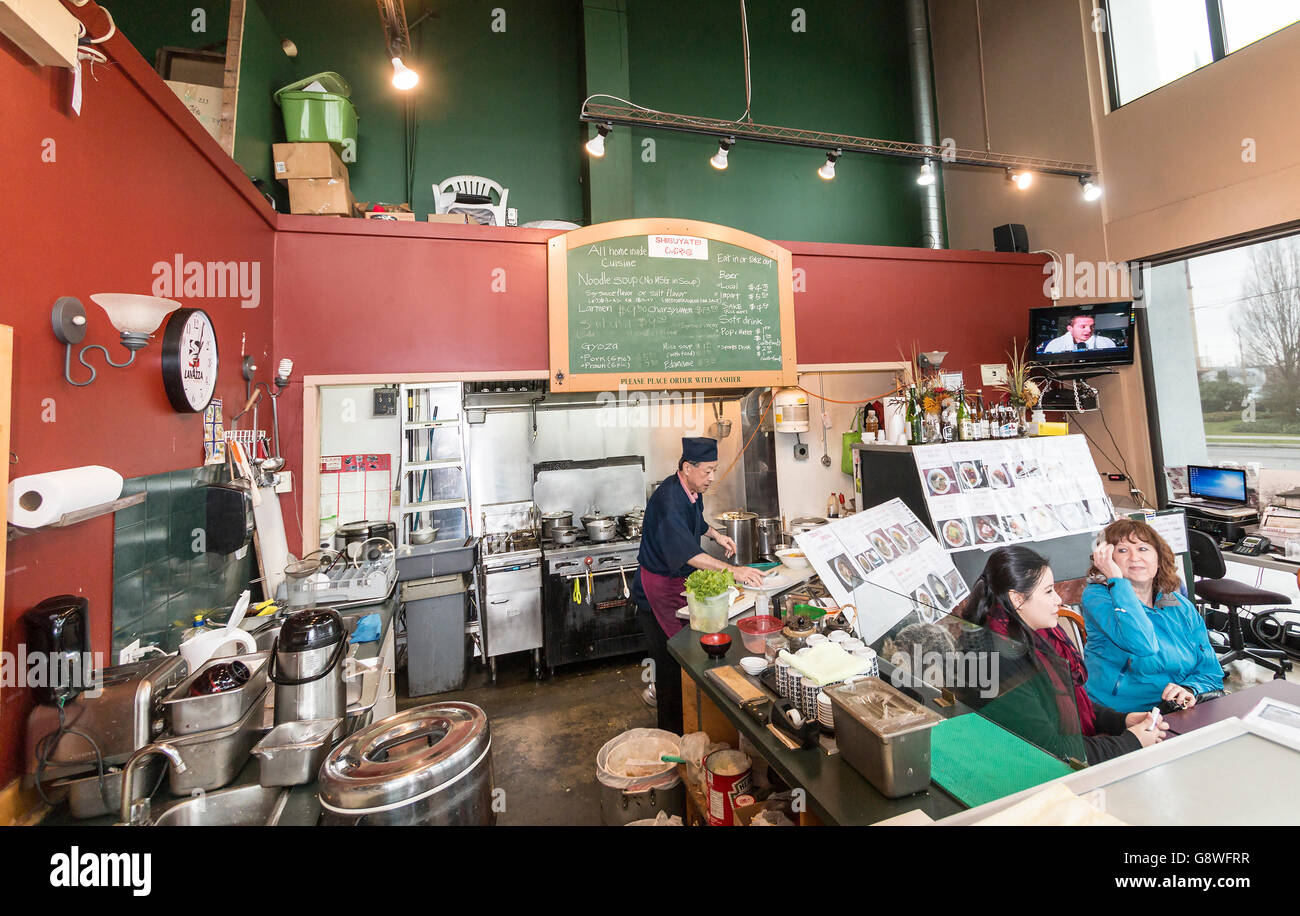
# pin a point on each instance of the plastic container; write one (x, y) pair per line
(756, 630)
(318, 117)
(634, 783)
(709, 615)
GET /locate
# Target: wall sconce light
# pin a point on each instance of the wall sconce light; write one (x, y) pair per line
(134, 317)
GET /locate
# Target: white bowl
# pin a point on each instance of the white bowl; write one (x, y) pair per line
(753, 664)
(788, 558)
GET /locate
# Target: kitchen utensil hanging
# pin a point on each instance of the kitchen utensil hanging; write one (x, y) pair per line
(720, 428)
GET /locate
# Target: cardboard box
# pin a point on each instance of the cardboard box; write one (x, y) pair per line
(204, 102)
(321, 196)
(391, 212)
(307, 160)
(459, 219)
(391, 216)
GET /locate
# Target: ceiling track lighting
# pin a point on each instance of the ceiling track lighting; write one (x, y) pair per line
(926, 176)
(1091, 190)
(827, 171)
(719, 159)
(1021, 178)
(629, 115)
(596, 145)
(397, 38)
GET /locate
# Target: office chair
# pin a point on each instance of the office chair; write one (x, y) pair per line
(1211, 587)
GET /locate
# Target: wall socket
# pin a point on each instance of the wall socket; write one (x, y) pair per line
(801, 451)
(993, 374)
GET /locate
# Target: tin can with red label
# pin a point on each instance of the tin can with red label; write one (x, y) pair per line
(727, 773)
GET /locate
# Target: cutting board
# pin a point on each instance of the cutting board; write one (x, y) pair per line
(736, 684)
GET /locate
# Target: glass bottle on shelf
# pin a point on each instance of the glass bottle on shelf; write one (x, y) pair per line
(913, 417)
(965, 428)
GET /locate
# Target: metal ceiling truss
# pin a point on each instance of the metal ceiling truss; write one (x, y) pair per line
(629, 116)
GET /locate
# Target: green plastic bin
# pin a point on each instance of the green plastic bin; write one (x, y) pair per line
(319, 117)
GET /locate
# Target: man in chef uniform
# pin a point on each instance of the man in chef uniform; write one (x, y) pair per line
(671, 551)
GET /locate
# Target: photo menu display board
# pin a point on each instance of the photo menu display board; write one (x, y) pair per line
(886, 564)
(983, 494)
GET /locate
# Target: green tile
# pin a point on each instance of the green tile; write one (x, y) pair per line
(157, 534)
(128, 550)
(157, 583)
(131, 515)
(159, 501)
(128, 599)
(181, 537)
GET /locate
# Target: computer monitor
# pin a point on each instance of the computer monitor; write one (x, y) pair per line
(1226, 485)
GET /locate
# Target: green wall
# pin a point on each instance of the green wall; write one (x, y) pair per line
(505, 104)
(152, 24)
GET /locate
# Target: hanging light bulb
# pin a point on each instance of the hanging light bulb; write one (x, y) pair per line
(1091, 190)
(1022, 179)
(827, 171)
(926, 177)
(596, 145)
(403, 77)
(719, 159)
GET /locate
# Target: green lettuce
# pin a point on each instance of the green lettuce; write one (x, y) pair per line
(706, 583)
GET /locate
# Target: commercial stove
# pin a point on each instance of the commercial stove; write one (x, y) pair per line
(601, 622)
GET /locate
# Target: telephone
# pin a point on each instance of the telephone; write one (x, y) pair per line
(1252, 545)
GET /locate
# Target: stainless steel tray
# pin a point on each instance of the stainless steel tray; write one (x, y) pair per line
(291, 753)
(187, 715)
(86, 801)
(214, 758)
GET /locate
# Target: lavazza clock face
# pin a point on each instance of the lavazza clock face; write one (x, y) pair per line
(189, 360)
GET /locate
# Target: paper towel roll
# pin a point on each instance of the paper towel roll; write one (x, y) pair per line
(41, 499)
(895, 420)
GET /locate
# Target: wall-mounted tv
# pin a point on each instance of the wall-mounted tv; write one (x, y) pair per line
(1097, 334)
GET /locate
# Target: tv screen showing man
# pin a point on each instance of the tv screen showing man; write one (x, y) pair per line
(1079, 335)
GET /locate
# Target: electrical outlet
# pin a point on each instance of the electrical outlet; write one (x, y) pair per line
(801, 451)
(284, 482)
(130, 653)
(993, 374)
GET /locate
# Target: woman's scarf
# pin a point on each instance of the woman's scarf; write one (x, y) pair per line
(1051, 647)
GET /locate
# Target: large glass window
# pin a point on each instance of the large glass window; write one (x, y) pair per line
(1154, 42)
(1227, 326)
(1246, 21)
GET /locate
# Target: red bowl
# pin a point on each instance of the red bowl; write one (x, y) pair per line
(715, 645)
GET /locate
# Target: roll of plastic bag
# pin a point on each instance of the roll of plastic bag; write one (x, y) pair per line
(42, 499)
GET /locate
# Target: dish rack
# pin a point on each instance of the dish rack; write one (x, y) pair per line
(344, 582)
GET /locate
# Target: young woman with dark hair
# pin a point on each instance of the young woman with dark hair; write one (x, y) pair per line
(1147, 644)
(1042, 696)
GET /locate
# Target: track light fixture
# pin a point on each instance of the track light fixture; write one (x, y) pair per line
(926, 177)
(596, 145)
(1091, 190)
(827, 171)
(1021, 179)
(404, 78)
(719, 159)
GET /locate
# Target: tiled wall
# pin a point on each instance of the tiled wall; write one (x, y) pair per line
(159, 578)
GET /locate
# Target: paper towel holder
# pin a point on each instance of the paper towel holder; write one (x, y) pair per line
(135, 318)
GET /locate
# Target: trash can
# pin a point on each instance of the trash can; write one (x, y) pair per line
(319, 117)
(437, 649)
(634, 783)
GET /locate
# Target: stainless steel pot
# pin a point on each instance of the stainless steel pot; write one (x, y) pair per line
(553, 520)
(564, 534)
(430, 765)
(350, 533)
(741, 527)
(601, 527)
(769, 536)
(630, 523)
(307, 666)
(800, 525)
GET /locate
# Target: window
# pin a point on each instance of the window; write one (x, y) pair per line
(1154, 42)
(1227, 326)
(1247, 21)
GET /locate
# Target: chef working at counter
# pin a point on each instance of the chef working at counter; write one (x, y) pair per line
(670, 551)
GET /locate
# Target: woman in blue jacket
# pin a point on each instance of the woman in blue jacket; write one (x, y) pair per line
(1146, 642)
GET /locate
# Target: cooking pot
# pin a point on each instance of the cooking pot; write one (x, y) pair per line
(430, 765)
(564, 534)
(553, 520)
(800, 525)
(350, 533)
(601, 527)
(768, 532)
(741, 527)
(630, 523)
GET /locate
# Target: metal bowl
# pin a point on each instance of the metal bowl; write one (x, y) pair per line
(423, 535)
(565, 534)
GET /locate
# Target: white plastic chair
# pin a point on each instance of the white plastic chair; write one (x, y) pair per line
(444, 196)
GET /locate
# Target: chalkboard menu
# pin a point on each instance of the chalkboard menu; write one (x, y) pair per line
(653, 303)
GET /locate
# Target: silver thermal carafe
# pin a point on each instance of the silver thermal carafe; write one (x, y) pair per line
(307, 666)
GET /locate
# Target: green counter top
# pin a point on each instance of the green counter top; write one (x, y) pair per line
(837, 793)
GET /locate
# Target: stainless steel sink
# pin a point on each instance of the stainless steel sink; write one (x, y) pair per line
(242, 806)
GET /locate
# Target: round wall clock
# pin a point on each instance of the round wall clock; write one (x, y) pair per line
(189, 360)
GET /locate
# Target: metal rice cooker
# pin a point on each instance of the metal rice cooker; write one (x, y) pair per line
(427, 766)
(307, 666)
(350, 533)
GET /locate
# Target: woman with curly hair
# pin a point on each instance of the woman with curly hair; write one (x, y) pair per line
(1147, 644)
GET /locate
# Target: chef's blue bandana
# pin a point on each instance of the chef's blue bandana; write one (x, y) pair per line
(698, 449)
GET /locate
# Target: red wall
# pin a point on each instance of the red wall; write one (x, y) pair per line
(134, 181)
(354, 297)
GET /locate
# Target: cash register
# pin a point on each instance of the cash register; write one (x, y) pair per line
(1216, 502)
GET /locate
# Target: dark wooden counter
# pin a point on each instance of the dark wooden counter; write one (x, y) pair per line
(837, 794)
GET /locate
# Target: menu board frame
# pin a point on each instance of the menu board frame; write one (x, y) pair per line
(558, 249)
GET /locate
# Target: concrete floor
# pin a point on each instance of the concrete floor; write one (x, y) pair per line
(545, 735)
